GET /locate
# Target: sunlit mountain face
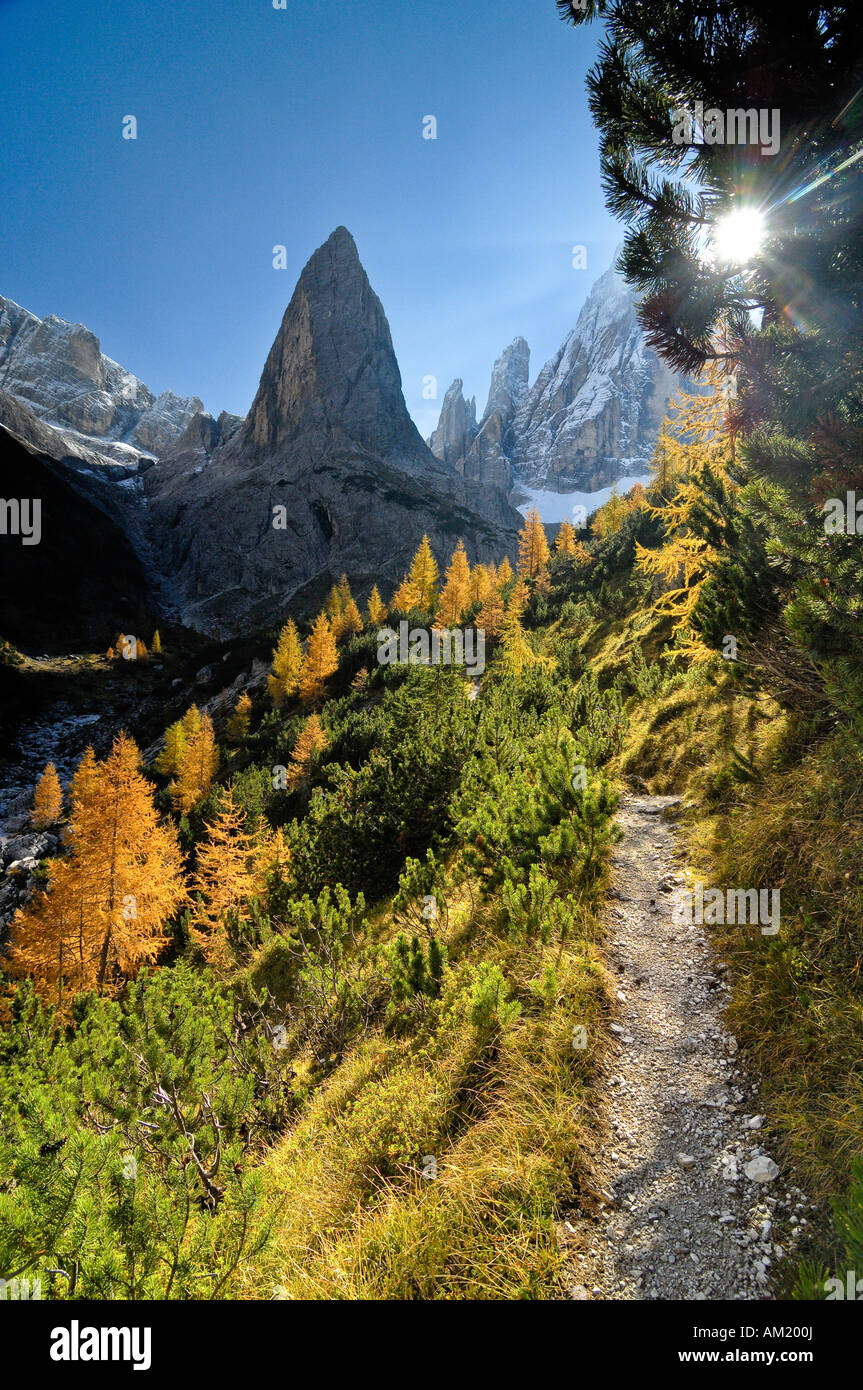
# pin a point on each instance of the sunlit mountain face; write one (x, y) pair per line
(589, 420)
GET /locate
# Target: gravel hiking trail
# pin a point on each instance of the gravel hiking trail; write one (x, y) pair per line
(686, 1201)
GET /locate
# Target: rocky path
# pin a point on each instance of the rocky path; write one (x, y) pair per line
(686, 1207)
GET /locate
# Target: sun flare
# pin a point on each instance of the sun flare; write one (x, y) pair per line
(739, 236)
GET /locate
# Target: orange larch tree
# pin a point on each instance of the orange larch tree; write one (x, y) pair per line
(198, 765)
(228, 876)
(47, 799)
(320, 661)
(104, 912)
(532, 546)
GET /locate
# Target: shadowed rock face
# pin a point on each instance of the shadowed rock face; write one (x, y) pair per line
(82, 581)
(329, 451)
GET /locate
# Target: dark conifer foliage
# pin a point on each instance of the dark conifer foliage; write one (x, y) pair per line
(801, 60)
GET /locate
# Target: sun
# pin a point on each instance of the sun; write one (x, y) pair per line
(739, 236)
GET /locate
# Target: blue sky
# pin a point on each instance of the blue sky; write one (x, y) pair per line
(259, 127)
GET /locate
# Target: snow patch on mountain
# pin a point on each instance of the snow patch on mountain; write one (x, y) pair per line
(555, 507)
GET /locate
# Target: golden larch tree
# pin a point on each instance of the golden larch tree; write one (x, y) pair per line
(480, 584)
(83, 778)
(237, 723)
(532, 545)
(287, 660)
(156, 645)
(197, 768)
(312, 740)
(491, 614)
(343, 589)
(377, 609)
(424, 576)
(227, 877)
(273, 860)
(406, 597)
(565, 540)
(348, 623)
(519, 598)
(504, 573)
(456, 590)
(333, 602)
(695, 442)
(191, 721)
(107, 903)
(542, 582)
(610, 517)
(517, 652)
(170, 754)
(320, 661)
(47, 799)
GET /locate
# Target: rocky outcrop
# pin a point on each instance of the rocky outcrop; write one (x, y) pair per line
(479, 451)
(591, 416)
(326, 474)
(456, 429)
(58, 370)
(488, 458)
(509, 382)
(594, 412)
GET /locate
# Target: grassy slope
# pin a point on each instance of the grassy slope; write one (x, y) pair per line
(512, 1126)
(508, 1127)
(507, 1120)
(507, 1117)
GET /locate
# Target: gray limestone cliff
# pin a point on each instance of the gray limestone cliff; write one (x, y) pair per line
(591, 416)
(58, 370)
(329, 453)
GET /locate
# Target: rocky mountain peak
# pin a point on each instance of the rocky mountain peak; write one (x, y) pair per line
(591, 416)
(329, 447)
(456, 426)
(58, 371)
(509, 381)
(332, 368)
